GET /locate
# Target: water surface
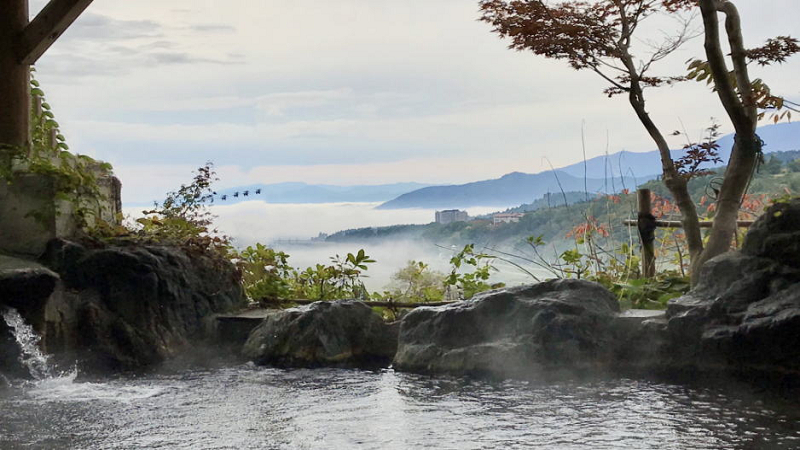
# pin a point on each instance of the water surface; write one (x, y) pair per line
(247, 407)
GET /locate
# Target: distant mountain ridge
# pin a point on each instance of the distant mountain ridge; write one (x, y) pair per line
(607, 173)
(509, 190)
(777, 138)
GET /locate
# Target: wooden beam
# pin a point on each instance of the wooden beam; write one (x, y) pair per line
(679, 224)
(46, 27)
(14, 80)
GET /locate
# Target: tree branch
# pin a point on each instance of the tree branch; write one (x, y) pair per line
(719, 70)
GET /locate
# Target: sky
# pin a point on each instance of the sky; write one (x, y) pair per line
(347, 92)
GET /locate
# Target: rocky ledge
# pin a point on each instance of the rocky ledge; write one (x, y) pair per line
(744, 314)
(117, 308)
(512, 332)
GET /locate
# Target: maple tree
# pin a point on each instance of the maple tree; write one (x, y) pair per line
(745, 101)
(598, 35)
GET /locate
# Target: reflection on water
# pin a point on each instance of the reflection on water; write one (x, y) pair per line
(249, 407)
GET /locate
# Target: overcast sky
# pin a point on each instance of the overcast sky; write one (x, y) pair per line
(345, 92)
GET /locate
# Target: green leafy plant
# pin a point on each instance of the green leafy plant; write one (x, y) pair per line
(267, 276)
(74, 177)
(265, 272)
(184, 219)
(475, 281)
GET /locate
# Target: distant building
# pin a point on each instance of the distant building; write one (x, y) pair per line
(451, 215)
(506, 218)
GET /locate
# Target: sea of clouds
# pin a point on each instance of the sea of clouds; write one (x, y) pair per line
(289, 227)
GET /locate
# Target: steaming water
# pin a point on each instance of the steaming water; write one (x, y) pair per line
(246, 407)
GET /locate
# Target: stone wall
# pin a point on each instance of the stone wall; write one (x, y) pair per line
(31, 213)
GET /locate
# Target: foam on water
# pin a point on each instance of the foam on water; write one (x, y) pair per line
(50, 386)
(65, 389)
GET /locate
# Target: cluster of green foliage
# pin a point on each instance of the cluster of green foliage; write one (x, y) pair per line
(618, 268)
(183, 218)
(267, 276)
(471, 282)
(74, 176)
(414, 283)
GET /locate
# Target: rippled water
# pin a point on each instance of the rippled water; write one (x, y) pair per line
(246, 407)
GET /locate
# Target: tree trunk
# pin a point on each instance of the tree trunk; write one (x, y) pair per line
(676, 184)
(14, 79)
(740, 167)
(741, 109)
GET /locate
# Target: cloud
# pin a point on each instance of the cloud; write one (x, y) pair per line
(346, 91)
(99, 45)
(213, 28)
(160, 58)
(277, 104)
(100, 27)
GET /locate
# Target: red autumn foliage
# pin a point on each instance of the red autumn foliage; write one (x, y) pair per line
(588, 228)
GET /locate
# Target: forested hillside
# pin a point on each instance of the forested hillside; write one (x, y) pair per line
(555, 219)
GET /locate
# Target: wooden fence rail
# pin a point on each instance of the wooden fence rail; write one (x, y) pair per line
(647, 224)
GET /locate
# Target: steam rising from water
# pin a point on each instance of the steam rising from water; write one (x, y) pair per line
(257, 221)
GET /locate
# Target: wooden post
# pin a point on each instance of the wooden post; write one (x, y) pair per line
(646, 225)
(14, 78)
(52, 140)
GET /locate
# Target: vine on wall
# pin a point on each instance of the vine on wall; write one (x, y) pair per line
(74, 177)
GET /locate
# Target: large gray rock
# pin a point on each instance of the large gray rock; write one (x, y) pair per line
(128, 307)
(341, 333)
(744, 313)
(776, 234)
(516, 332)
(25, 285)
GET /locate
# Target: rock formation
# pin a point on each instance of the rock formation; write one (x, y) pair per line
(341, 333)
(745, 312)
(117, 308)
(512, 332)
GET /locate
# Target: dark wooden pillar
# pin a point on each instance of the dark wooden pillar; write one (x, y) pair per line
(14, 76)
(646, 224)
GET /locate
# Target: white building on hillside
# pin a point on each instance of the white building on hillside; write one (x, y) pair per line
(451, 215)
(506, 218)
